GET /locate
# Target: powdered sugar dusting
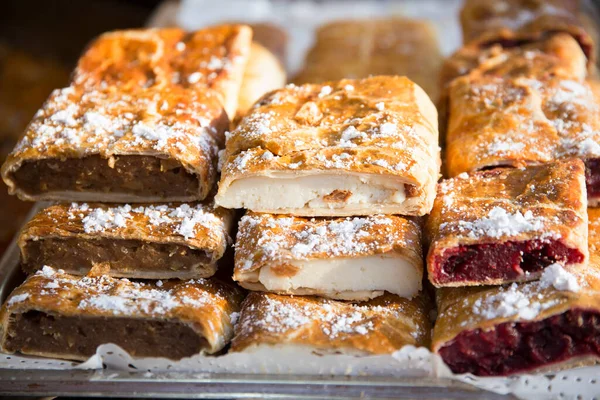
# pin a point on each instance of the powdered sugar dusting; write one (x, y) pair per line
(264, 237)
(184, 219)
(500, 222)
(555, 275)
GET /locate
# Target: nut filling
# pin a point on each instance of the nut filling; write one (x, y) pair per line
(78, 337)
(123, 257)
(133, 175)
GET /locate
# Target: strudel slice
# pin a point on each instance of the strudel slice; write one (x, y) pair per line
(142, 120)
(507, 225)
(353, 147)
(493, 21)
(311, 324)
(556, 55)
(342, 258)
(158, 241)
(537, 326)
(57, 315)
(517, 122)
(360, 48)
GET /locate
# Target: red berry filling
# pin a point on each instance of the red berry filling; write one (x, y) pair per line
(592, 177)
(507, 261)
(518, 347)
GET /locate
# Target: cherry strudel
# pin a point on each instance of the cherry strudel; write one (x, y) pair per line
(507, 225)
(536, 326)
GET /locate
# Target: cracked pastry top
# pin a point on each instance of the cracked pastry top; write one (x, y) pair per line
(555, 55)
(520, 21)
(352, 147)
(342, 258)
(320, 326)
(54, 314)
(141, 121)
(359, 48)
(157, 241)
(537, 326)
(505, 225)
(515, 122)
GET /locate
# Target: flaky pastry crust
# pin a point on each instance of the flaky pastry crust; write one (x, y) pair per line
(205, 305)
(379, 326)
(548, 201)
(153, 92)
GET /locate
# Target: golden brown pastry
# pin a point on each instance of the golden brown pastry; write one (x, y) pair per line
(519, 21)
(506, 225)
(352, 147)
(341, 258)
(537, 326)
(57, 315)
(556, 55)
(319, 326)
(141, 121)
(264, 73)
(273, 37)
(361, 48)
(158, 241)
(517, 122)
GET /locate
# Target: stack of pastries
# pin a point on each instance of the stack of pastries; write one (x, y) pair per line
(347, 227)
(512, 244)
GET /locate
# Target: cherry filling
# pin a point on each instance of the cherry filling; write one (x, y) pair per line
(592, 177)
(518, 347)
(508, 260)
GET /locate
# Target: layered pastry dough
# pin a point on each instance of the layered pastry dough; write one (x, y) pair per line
(141, 121)
(361, 48)
(507, 225)
(537, 326)
(343, 258)
(556, 55)
(310, 324)
(353, 147)
(264, 72)
(159, 241)
(57, 315)
(517, 122)
(519, 21)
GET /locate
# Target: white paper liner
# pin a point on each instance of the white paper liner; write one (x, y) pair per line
(409, 362)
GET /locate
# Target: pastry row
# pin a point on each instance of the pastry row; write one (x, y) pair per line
(527, 326)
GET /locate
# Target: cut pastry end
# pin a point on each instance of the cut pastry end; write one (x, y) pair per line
(511, 347)
(321, 194)
(77, 338)
(126, 178)
(592, 181)
(493, 263)
(359, 278)
(125, 258)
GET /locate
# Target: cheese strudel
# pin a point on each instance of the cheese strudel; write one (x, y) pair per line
(264, 72)
(341, 258)
(319, 326)
(57, 315)
(517, 122)
(142, 120)
(537, 326)
(353, 147)
(506, 225)
(159, 241)
(519, 21)
(361, 48)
